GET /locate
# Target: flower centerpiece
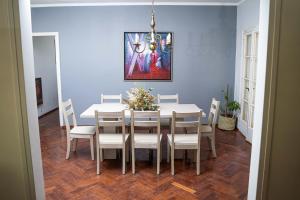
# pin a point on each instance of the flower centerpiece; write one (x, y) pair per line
(141, 99)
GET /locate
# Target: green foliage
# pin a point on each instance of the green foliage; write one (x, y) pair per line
(230, 108)
(234, 108)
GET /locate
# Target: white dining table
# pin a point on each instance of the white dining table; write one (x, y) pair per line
(166, 109)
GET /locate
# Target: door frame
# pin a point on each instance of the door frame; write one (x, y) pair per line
(57, 63)
(269, 24)
(265, 81)
(261, 164)
(242, 125)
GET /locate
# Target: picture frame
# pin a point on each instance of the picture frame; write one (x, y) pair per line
(141, 64)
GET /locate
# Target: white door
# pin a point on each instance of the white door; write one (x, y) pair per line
(249, 64)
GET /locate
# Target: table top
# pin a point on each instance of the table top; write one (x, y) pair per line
(166, 109)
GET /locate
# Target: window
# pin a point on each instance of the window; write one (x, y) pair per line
(250, 41)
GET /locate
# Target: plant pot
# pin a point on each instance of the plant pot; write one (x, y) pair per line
(226, 123)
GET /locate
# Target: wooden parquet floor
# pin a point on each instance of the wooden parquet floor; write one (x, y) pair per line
(225, 177)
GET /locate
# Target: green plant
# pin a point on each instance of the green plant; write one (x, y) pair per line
(234, 108)
(230, 108)
(226, 99)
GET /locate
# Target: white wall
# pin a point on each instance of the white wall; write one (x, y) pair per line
(45, 68)
(247, 20)
(259, 98)
(32, 115)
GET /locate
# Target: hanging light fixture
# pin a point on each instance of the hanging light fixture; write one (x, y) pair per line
(152, 37)
(152, 33)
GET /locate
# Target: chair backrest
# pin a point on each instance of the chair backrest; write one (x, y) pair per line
(213, 112)
(186, 120)
(167, 98)
(110, 119)
(68, 111)
(145, 119)
(111, 98)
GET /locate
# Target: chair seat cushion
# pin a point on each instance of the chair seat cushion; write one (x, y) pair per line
(146, 138)
(111, 139)
(83, 130)
(184, 139)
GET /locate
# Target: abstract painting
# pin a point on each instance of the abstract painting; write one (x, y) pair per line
(140, 63)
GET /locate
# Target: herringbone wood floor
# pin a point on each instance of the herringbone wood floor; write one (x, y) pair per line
(225, 177)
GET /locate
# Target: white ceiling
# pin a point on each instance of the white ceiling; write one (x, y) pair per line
(46, 3)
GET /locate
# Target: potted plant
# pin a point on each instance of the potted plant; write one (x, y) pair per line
(229, 113)
(141, 99)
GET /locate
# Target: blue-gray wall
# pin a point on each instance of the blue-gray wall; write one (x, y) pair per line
(91, 47)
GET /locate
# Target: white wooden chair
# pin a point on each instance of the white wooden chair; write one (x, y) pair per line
(77, 132)
(149, 119)
(111, 140)
(209, 130)
(111, 98)
(183, 140)
(167, 99)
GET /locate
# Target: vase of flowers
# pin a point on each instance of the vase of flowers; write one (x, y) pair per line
(141, 99)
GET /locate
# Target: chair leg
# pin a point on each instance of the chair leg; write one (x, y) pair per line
(160, 151)
(158, 160)
(101, 155)
(209, 143)
(127, 153)
(92, 146)
(168, 152)
(123, 160)
(74, 144)
(172, 160)
(198, 161)
(98, 163)
(213, 147)
(68, 148)
(133, 160)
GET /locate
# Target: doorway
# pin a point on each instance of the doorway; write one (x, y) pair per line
(47, 72)
(257, 139)
(248, 83)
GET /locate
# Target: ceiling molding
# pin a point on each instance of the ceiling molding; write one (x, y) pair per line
(36, 5)
(240, 2)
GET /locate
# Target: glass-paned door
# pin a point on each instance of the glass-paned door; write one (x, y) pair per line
(250, 41)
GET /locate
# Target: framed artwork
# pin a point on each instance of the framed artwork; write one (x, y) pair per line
(39, 91)
(140, 63)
